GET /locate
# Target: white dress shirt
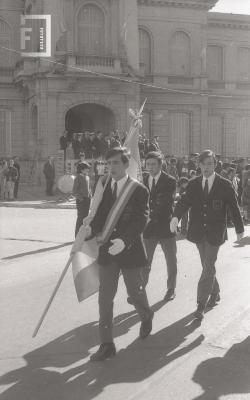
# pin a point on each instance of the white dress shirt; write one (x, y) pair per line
(150, 180)
(210, 181)
(120, 184)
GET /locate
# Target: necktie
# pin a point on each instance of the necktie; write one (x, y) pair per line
(206, 189)
(114, 193)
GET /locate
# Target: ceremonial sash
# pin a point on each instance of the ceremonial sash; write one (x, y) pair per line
(117, 209)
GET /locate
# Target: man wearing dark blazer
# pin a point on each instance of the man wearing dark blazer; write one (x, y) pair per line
(208, 197)
(124, 251)
(162, 188)
(49, 172)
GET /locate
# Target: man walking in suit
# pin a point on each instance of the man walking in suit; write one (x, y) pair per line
(162, 188)
(125, 205)
(208, 197)
(49, 173)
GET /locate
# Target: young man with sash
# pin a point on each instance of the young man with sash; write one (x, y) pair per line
(118, 226)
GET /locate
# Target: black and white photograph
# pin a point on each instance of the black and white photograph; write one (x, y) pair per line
(124, 199)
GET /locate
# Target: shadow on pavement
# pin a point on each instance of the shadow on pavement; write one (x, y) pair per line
(222, 376)
(41, 380)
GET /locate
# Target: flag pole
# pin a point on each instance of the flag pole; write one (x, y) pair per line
(53, 295)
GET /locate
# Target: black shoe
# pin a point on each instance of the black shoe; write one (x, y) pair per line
(146, 327)
(130, 301)
(106, 350)
(213, 301)
(170, 295)
(199, 313)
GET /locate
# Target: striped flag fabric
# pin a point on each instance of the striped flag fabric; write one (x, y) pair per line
(132, 141)
(85, 267)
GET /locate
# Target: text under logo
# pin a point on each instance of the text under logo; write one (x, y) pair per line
(36, 35)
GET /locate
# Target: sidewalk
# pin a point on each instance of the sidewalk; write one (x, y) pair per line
(35, 197)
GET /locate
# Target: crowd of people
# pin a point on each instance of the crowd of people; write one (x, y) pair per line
(9, 178)
(95, 145)
(92, 147)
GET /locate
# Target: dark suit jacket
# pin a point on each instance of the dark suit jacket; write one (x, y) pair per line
(129, 228)
(161, 207)
(208, 219)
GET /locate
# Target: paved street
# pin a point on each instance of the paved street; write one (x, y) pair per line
(179, 361)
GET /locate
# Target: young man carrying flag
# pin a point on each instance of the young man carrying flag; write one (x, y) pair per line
(84, 253)
(118, 226)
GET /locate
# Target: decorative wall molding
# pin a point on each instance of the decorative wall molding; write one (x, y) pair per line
(229, 24)
(197, 4)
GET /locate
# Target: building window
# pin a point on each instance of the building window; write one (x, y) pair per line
(244, 64)
(179, 132)
(145, 51)
(242, 136)
(180, 54)
(91, 30)
(5, 133)
(5, 43)
(215, 63)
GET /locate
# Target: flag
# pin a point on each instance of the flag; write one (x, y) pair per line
(132, 141)
(84, 253)
(84, 265)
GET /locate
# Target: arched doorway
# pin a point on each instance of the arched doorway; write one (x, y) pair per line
(89, 117)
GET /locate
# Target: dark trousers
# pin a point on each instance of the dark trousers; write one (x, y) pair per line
(169, 249)
(208, 284)
(16, 188)
(109, 277)
(49, 186)
(82, 212)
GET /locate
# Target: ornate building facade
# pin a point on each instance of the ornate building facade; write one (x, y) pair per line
(192, 65)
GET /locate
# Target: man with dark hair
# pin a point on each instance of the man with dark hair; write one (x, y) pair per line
(11, 175)
(224, 170)
(207, 197)
(17, 166)
(49, 173)
(162, 188)
(77, 145)
(118, 226)
(172, 168)
(64, 139)
(218, 167)
(192, 163)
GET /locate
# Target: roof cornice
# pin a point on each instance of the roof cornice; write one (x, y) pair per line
(197, 4)
(229, 21)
